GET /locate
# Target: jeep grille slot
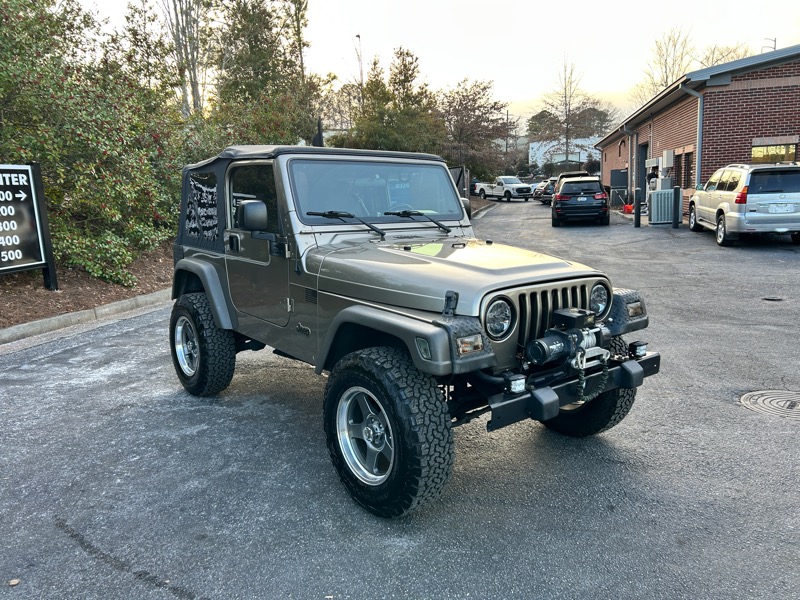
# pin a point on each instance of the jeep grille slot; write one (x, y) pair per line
(537, 306)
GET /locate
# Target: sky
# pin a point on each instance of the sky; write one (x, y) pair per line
(519, 47)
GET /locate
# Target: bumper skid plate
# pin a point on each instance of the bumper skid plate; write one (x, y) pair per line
(544, 403)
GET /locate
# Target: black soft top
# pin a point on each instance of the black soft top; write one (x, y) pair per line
(264, 151)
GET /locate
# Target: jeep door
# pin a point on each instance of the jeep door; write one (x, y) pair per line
(258, 271)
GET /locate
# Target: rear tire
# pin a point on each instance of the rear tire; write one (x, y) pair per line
(723, 237)
(388, 431)
(555, 222)
(203, 355)
(482, 195)
(600, 414)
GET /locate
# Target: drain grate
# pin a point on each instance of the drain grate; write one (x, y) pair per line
(780, 403)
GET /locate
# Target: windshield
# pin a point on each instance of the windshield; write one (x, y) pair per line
(370, 189)
(510, 180)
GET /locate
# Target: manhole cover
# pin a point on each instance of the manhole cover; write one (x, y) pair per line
(780, 403)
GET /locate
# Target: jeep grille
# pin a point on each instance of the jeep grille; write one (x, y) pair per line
(536, 306)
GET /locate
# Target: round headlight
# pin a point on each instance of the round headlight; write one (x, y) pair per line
(599, 299)
(499, 318)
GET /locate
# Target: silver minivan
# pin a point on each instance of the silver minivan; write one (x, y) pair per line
(741, 199)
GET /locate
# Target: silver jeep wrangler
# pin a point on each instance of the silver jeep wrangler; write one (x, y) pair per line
(364, 264)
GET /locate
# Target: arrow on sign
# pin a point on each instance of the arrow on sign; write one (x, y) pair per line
(21, 195)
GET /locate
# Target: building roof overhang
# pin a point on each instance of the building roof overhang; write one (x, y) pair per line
(709, 77)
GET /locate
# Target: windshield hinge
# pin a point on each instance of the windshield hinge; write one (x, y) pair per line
(450, 303)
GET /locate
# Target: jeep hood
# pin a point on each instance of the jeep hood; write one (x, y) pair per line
(416, 273)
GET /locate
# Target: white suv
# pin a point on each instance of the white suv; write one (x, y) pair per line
(741, 199)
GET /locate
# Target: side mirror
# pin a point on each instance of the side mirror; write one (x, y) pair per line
(467, 207)
(252, 215)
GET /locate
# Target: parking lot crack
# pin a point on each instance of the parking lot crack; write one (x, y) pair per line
(122, 566)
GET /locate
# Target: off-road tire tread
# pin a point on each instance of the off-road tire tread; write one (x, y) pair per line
(423, 418)
(217, 347)
(602, 413)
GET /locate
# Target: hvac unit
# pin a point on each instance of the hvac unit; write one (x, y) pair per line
(660, 211)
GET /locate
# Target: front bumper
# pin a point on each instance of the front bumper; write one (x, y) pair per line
(544, 403)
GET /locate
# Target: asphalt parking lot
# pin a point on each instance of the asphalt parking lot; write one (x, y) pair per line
(118, 484)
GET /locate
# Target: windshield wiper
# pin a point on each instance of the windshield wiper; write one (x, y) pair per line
(340, 214)
(416, 213)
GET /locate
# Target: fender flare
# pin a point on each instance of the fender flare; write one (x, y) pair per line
(402, 327)
(209, 279)
(438, 336)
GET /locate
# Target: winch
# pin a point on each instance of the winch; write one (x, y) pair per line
(574, 337)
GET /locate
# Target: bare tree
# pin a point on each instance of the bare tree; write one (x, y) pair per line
(716, 55)
(184, 19)
(296, 15)
(569, 114)
(671, 57)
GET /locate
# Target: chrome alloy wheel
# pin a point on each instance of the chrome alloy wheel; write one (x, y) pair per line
(365, 436)
(186, 346)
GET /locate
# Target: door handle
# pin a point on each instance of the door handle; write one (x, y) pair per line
(234, 243)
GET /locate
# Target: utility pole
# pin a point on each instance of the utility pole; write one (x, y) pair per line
(360, 72)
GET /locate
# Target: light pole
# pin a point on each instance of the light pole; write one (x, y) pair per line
(360, 71)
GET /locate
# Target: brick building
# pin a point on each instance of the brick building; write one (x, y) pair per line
(744, 111)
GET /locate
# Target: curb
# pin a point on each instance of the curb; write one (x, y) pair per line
(24, 330)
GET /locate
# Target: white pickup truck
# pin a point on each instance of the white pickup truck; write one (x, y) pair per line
(505, 187)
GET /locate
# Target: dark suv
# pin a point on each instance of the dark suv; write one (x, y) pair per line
(580, 198)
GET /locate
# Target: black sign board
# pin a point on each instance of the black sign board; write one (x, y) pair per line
(24, 235)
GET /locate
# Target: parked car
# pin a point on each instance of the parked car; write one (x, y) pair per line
(740, 199)
(544, 191)
(567, 175)
(505, 186)
(580, 198)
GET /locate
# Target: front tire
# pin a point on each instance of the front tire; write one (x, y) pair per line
(693, 224)
(203, 355)
(507, 196)
(388, 431)
(600, 414)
